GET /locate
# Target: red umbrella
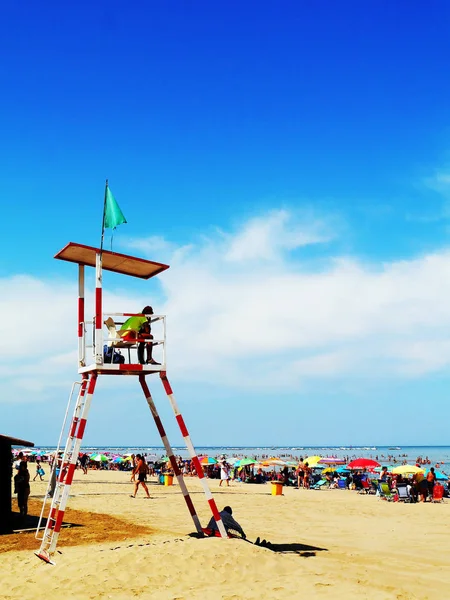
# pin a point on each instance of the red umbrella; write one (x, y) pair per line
(363, 463)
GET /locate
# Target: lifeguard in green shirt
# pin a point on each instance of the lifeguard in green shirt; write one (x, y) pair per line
(139, 329)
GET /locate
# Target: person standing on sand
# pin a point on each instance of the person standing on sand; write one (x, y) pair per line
(224, 473)
(84, 462)
(22, 487)
(141, 470)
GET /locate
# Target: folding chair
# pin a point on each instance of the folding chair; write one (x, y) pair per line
(115, 340)
(385, 492)
(403, 494)
(438, 493)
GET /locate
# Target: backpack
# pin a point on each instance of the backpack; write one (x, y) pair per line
(112, 356)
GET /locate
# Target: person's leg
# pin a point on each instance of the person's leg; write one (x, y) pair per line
(136, 486)
(146, 489)
(150, 359)
(140, 352)
(20, 501)
(25, 503)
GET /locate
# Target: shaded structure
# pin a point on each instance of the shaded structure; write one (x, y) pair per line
(6, 444)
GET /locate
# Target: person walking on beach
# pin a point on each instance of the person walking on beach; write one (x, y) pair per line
(141, 470)
(39, 470)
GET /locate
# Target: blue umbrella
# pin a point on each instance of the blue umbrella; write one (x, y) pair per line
(342, 470)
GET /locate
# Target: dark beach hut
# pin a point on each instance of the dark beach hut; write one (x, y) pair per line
(6, 443)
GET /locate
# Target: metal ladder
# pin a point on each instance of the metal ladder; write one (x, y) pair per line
(67, 468)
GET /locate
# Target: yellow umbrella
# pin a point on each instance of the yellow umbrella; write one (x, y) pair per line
(329, 470)
(406, 469)
(312, 460)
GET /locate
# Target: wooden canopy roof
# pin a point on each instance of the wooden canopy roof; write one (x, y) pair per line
(111, 261)
(15, 441)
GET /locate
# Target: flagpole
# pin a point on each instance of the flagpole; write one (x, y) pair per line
(103, 220)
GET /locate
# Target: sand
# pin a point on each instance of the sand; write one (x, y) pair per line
(330, 544)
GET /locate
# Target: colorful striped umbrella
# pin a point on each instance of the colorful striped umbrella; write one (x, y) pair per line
(207, 460)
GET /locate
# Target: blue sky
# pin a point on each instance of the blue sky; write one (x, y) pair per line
(291, 162)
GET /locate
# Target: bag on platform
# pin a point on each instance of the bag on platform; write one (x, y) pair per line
(112, 356)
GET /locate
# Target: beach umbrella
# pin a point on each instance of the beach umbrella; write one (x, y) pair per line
(275, 462)
(207, 460)
(335, 469)
(100, 458)
(312, 460)
(331, 460)
(245, 461)
(118, 459)
(406, 470)
(363, 463)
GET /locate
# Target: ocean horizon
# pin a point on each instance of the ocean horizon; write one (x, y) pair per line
(436, 454)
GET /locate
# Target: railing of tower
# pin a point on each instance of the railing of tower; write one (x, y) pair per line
(112, 322)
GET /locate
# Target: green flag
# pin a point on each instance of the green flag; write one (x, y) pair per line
(113, 215)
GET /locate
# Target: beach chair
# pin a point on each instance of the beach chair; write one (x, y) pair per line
(319, 484)
(341, 484)
(115, 340)
(438, 493)
(403, 494)
(385, 492)
(366, 487)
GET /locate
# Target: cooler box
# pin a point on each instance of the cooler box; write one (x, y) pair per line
(277, 488)
(168, 479)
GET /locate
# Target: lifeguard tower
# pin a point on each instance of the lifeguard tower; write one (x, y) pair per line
(93, 334)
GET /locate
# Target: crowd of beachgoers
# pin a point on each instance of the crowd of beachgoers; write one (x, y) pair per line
(366, 475)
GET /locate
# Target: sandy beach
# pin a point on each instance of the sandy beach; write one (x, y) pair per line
(328, 544)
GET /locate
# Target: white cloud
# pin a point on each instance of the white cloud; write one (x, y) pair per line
(243, 314)
(265, 238)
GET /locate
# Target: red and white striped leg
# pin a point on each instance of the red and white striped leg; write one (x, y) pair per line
(193, 454)
(67, 469)
(170, 453)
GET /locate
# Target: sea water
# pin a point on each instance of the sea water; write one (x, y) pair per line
(383, 454)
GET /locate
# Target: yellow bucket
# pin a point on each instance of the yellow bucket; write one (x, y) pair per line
(277, 488)
(168, 479)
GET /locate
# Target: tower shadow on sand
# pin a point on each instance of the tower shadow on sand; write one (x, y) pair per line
(304, 550)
